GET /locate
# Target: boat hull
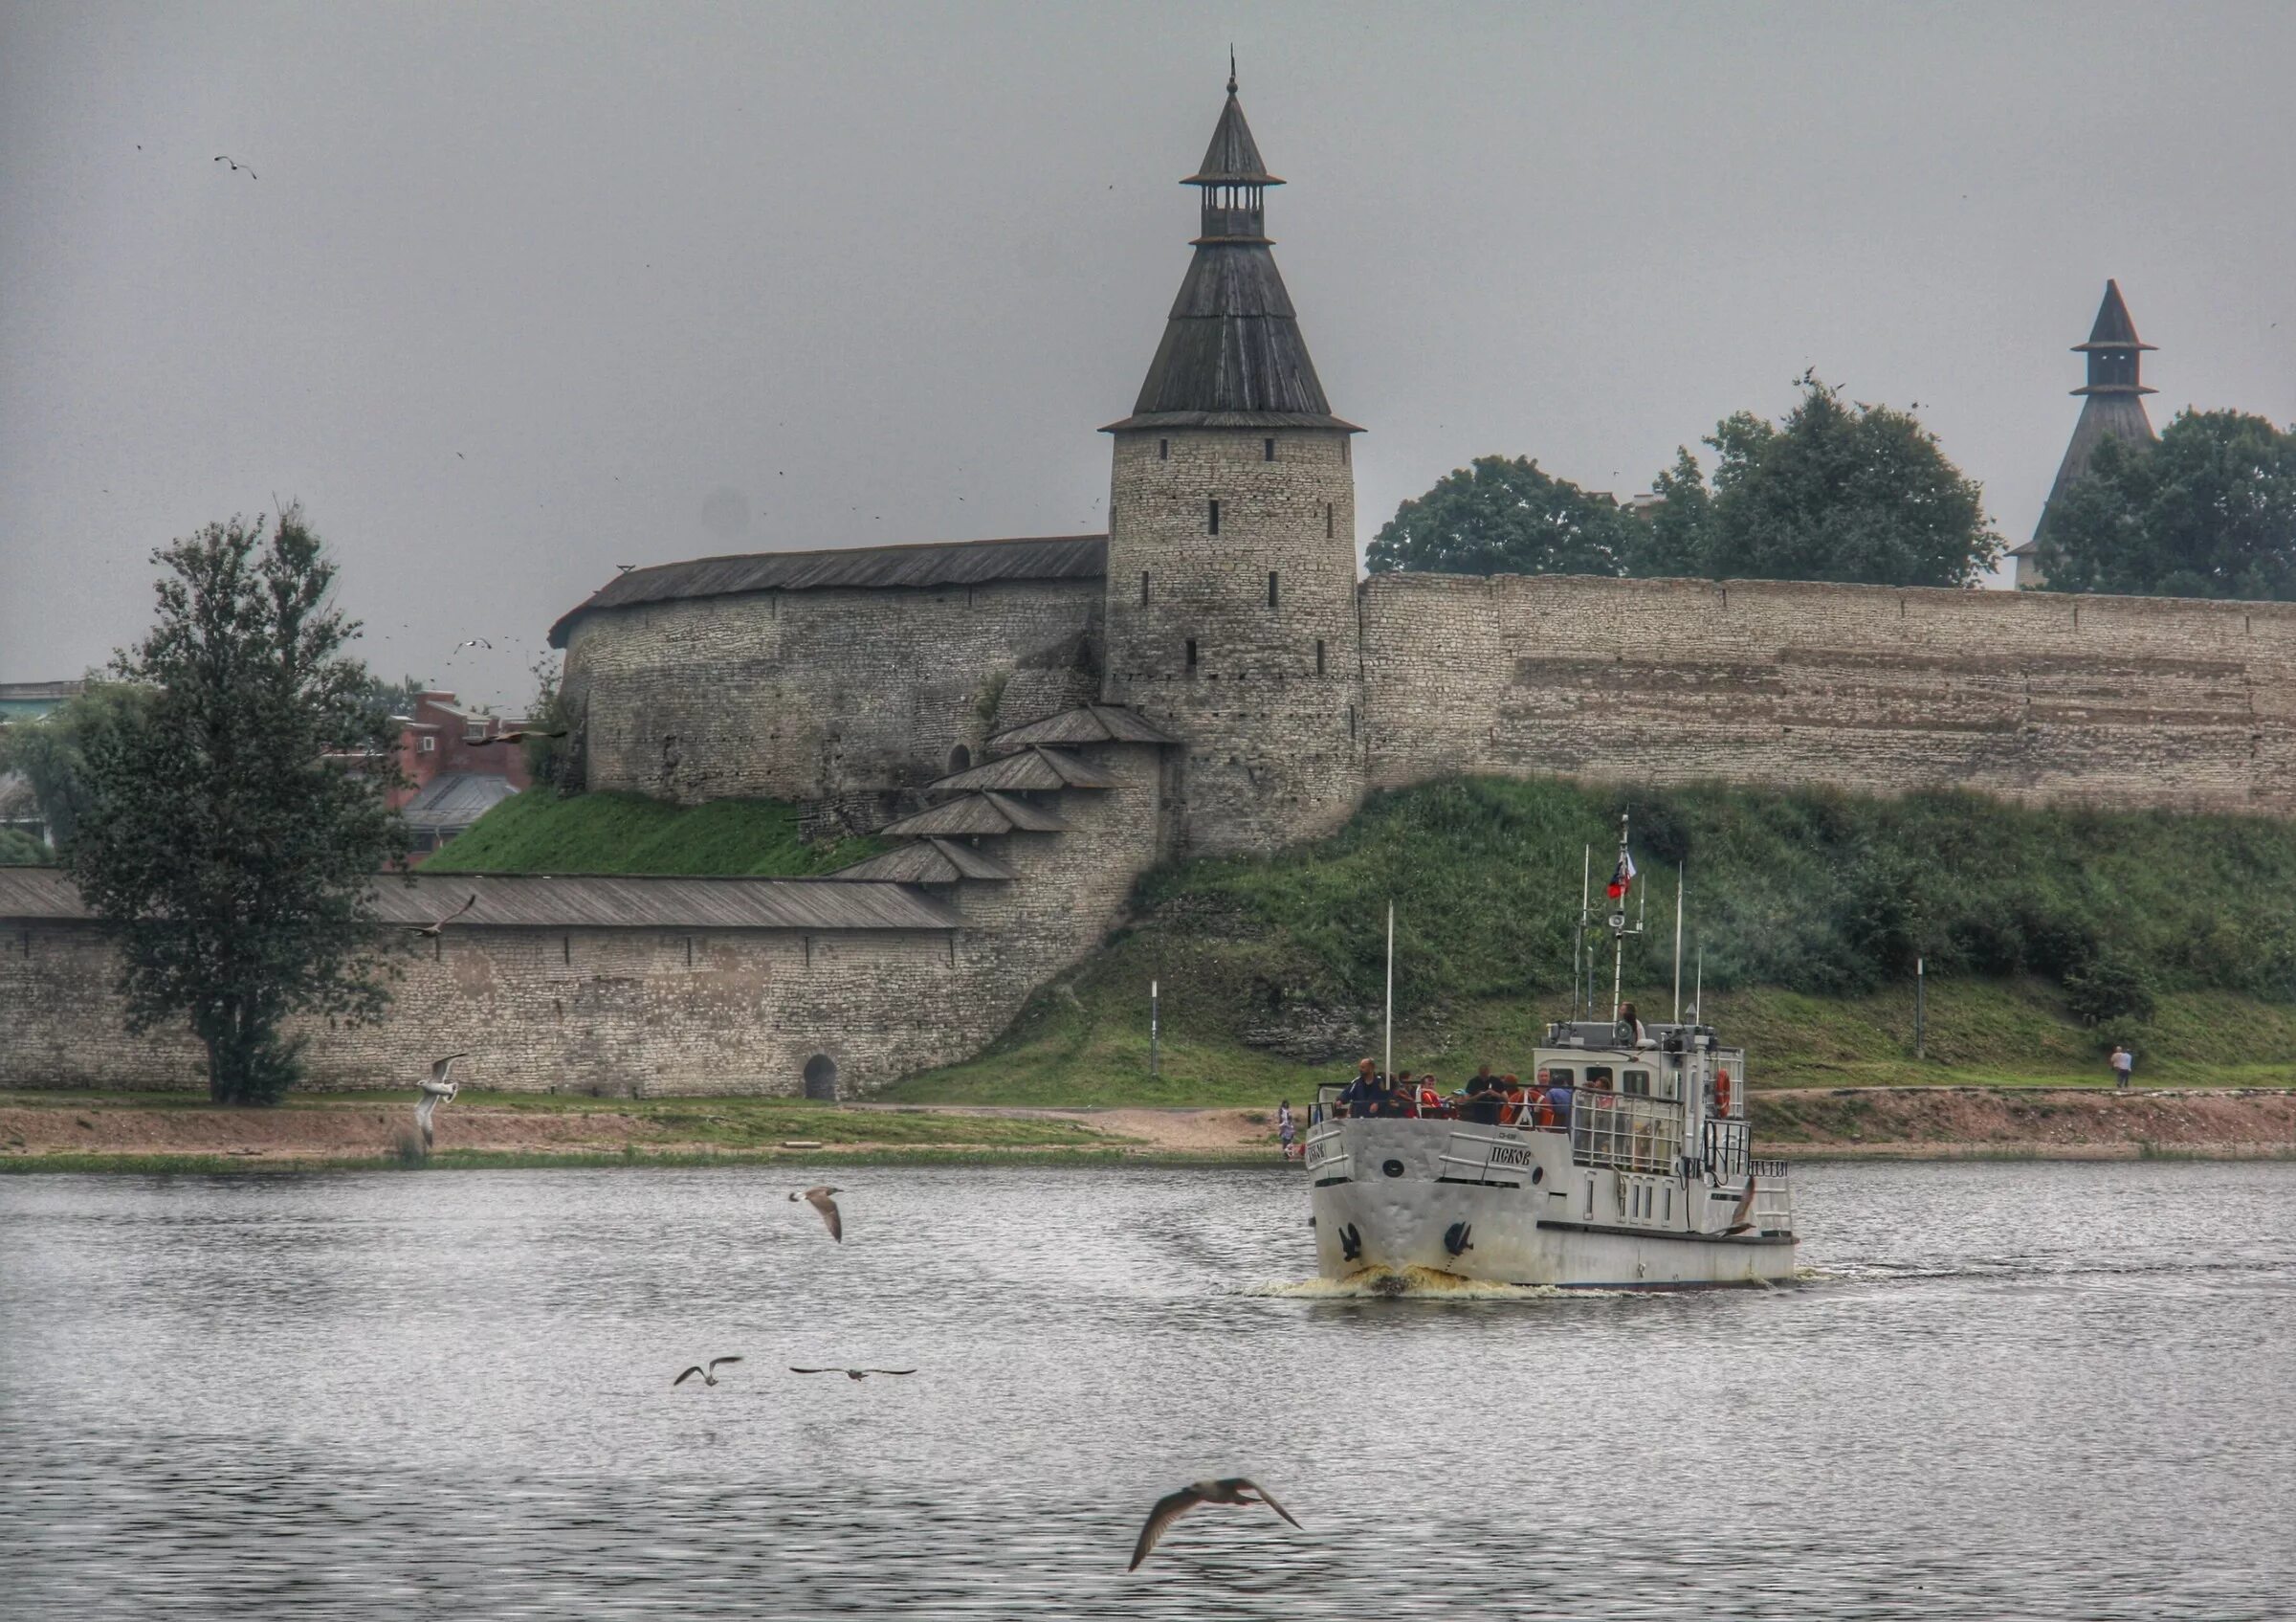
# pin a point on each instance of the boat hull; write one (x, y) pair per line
(1493, 1205)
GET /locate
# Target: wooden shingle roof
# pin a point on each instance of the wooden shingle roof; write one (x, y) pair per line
(931, 862)
(1089, 724)
(583, 901)
(1036, 767)
(974, 816)
(943, 563)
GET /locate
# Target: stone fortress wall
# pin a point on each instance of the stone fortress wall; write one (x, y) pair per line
(822, 696)
(2038, 697)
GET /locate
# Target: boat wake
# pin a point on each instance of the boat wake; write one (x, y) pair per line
(1411, 1283)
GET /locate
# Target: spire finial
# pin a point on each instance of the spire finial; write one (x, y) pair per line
(1232, 70)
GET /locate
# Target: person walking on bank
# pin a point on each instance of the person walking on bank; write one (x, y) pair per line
(2123, 1062)
(1285, 1131)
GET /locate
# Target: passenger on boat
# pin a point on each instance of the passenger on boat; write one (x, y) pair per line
(1486, 1099)
(1559, 1099)
(1356, 1101)
(1630, 1028)
(1430, 1100)
(1518, 1102)
(1393, 1103)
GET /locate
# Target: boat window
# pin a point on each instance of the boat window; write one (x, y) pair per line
(1557, 1076)
(1638, 1082)
(1598, 1076)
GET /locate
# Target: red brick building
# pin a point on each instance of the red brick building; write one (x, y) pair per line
(455, 775)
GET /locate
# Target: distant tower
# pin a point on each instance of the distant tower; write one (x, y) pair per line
(1232, 547)
(2114, 408)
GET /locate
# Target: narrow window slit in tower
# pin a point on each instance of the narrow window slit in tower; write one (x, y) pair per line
(1163, 449)
(1343, 451)
(1318, 656)
(1214, 528)
(1271, 588)
(1267, 450)
(1191, 653)
(1351, 721)
(1144, 588)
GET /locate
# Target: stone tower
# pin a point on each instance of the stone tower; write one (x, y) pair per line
(2113, 408)
(1231, 552)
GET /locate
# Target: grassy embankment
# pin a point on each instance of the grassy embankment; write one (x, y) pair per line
(539, 832)
(2048, 934)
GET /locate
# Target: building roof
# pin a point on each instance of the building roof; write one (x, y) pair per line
(976, 814)
(1034, 767)
(941, 563)
(456, 799)
(931, 862)
(2116, 416)
(1232, 348)
(584, 902)
(2113, 329)
(1091, 723)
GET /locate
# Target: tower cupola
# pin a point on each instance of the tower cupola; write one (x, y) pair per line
(2112, 349)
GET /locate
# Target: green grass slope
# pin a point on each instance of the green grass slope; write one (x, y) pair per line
(2047, 934)
(539, 832)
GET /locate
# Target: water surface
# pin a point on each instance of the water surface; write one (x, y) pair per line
(2016, 1390)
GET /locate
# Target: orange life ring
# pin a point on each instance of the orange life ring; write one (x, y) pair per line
(1721, 1092)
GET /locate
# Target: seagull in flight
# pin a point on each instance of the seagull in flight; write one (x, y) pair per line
(431, 930)
(1231, 1489)
(850, 1373)
(235, 163)
(819, 1199)
(438, 1090)
(708, 1374)
(1742, 1218)
(475, 642)
(518, 735)
(623, 568)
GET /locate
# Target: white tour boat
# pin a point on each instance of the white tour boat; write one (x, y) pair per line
(1646, 1180)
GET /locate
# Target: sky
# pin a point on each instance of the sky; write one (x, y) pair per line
(517, 293)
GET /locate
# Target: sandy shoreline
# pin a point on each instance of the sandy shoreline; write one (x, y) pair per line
(1912, 1123)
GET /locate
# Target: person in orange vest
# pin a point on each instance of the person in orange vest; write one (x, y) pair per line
(1430, 1100)
(1518, 1102)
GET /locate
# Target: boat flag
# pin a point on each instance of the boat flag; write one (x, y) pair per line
(1623, 876)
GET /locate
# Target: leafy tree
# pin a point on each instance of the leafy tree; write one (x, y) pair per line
(50, 753)
(233, 832)
(1837, 491)
(1504, 517)
(2209, 511)
(548, 760)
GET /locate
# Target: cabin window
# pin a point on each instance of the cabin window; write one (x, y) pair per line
(1144, 588)
(1598, 1078)
(1327, 520)
(1191, 653)
(1559, 1075)
(1212, 526)
(1271, 588)
(1163, 449)
(1318, 656)
(1638, 1082)
(1267, 450)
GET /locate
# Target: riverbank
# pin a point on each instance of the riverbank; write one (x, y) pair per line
(171, 1133)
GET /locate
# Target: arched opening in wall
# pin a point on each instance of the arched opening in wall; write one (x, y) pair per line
(961, 759)
(821, 1077)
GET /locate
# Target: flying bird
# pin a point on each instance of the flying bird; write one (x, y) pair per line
(850, 1373)
(819, 1199)
(1232, 1489)
(517, 735)
(475, 642)
(235, 163)
(623, 568)
(431, 930)
(1742, 1218)
(438, 1090)
(709, 1374)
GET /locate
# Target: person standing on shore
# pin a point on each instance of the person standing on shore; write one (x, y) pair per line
(1284, 1129)
(2123, 1062)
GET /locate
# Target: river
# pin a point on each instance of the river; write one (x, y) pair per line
(2029, 1390)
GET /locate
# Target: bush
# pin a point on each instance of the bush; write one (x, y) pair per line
(2105, 989)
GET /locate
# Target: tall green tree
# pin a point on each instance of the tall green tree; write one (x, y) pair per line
(233, 834)
(1837, 491)
(2208, 511)
(1504, 516)
(52, 753)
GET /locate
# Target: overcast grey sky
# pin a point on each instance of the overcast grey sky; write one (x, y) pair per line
(522, 291)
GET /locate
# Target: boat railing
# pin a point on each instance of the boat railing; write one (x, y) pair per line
(1630, 1134)
(1729, 1150)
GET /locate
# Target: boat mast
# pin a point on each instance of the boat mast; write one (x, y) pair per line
(1678, 942)
(1582, 996)
(1619, 931)
(1389, 1070)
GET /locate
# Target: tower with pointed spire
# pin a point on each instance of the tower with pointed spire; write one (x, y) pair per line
(1231, 618)
(2112, 408)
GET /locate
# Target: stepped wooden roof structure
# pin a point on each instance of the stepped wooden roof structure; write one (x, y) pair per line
(930, 861)
(1034, 769)
(1088, 723)
(973, 815)
(921, 566)
(1232, 355)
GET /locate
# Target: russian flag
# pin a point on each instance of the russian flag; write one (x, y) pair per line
(1621, 880)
